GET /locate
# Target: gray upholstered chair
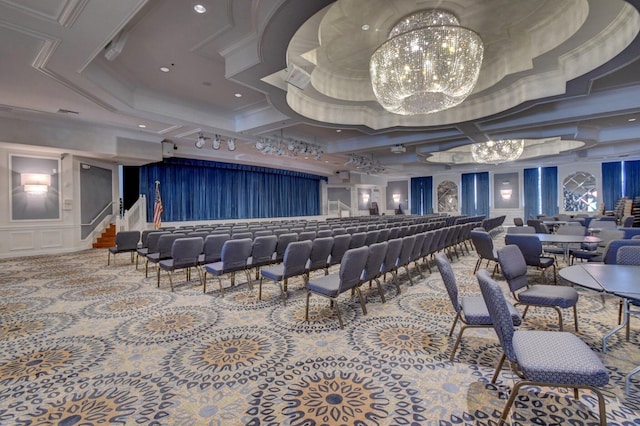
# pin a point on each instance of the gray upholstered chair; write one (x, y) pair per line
(531, 249)
(404, 259)
(542, 358)
(143, 247)
(319, 256)
(126, 242)
(262, 252)
(283, 241)
(340, 246)
(152, 247)
(163, 251)
(234, 257)
(333, 285)
(483, 243)
(212, 250)
(521, 230)
(389, 263)
(470, 310)
(377, 252)
(358, 239)
(514, 269)
(184, 255)
(293, 264)
(517, 221)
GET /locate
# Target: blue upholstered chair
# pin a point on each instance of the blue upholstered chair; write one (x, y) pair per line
(293, 264)
(319, 256)
(143, 247)
(163, 251)
(629, 255)
(283, 241)
(234, 257)
(262, 252)
(542, 358)
(514, 269)
(394, 247)
(531, 249)
(333, 285)
(404, 259)
(184, 255)
(126, 242)
(212, 250)
(483, 243)
(340, 247)
(521, 230)
(470, 310)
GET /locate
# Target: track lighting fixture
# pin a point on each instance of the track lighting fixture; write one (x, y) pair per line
(367, 165)
(201, 141)
(231, 144)
(216, 142)
(280, 146)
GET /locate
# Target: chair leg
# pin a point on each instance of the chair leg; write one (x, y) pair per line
(364, 308)
(131, 257)
(498, 368)
(204, 282)
(379, 289)
(108, 258)
(337, 309)
(260, 289)
(478, 263)
(560, 318)
(247, 272)
(221, 286)
(512, 397)
(406, 268)
(575, 316)
(283, 291)
(158, 274)
(524, 313)
(170, 280)
(455, 321)
(455, 346)
(146, 268)
(306, 312)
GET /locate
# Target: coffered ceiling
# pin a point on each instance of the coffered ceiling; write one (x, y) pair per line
(554, 72)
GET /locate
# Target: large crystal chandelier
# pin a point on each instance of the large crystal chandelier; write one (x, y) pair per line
(496, 152)
(428, 63)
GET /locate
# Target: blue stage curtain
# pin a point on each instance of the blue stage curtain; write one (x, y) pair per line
(549, 190)
(611, 184)
(422, 195)
(631, 179)
(210, 190)
(475, 194)
(468, 205)
(482, 194)
(531, 205)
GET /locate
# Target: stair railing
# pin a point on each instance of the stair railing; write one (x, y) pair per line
(339, 209)
(134, 218)
(98, 224)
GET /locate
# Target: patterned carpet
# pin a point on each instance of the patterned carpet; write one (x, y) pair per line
(85, 343)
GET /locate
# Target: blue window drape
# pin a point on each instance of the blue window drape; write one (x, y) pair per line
(209, 190)
(475, 194)
(611, 184)
(422, 195)
(631, 179)
(540, 192)
(531, 204)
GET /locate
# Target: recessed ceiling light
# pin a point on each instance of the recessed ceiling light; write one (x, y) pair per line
(164, 69)
(142, 126)
(365, 27)
(338, 130)
(631, 119)
(199, 8)
(238, 95)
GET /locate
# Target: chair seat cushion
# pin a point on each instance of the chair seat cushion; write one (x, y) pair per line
(328, 285)
(166, 264)
(153, 257)
(143, 251)
(545, 262)
(275, 273)
(559, 358)
(476, 313)
(216, 268)
(549, 295)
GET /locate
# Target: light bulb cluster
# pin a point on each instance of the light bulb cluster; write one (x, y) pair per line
(217, 142)
(278, 146)
(496, 152)
(366, 164)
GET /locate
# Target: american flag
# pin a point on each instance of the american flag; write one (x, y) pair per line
(157, 208)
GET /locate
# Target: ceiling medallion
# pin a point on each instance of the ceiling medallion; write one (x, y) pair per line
(429, 63)
(496, 152)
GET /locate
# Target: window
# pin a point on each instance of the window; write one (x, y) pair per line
(579, 192)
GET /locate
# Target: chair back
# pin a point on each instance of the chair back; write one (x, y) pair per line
(351, 268)
(394, 233)
(514, 267)
(446, 272)
(417, 247)
(283, 241)
(340, 247)
(371, 237)
(320, 251)
(628, 255)
(498, 311)
(406, 250)
(529, 245)
(338, 231)
(242, 235)
(145, 234)
(611, 250)
(127, 240)
(377, 252)
(426, 244)
(358, 239)
(165, 244)
(627, 221)
(383, 235)
(295, 258)
(323, 233)
(153, 238)
(263, 249)
(517, 221)
(609, 235)
(185, 251)
(483, 243)
(307, 235)
(235, 253)
(213, 247)
(572, 230)
(393, 252)
(201, 234)
(603, 224)
(263, 233)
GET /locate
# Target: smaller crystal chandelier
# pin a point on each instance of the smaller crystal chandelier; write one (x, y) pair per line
(367, 165)
(496, 152)
(288, 147)
(429, 63)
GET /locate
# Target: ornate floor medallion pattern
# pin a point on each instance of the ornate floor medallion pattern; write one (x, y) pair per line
(86, 343)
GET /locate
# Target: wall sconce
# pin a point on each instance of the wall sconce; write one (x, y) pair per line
(35, 183)
(365, 198)
(396, 198)
(506, 193)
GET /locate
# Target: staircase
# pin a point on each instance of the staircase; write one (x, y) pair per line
(107, 239)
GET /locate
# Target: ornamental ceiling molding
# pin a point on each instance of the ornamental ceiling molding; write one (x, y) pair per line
(522, 62)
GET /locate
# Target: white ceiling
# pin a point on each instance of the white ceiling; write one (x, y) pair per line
(552, 70)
